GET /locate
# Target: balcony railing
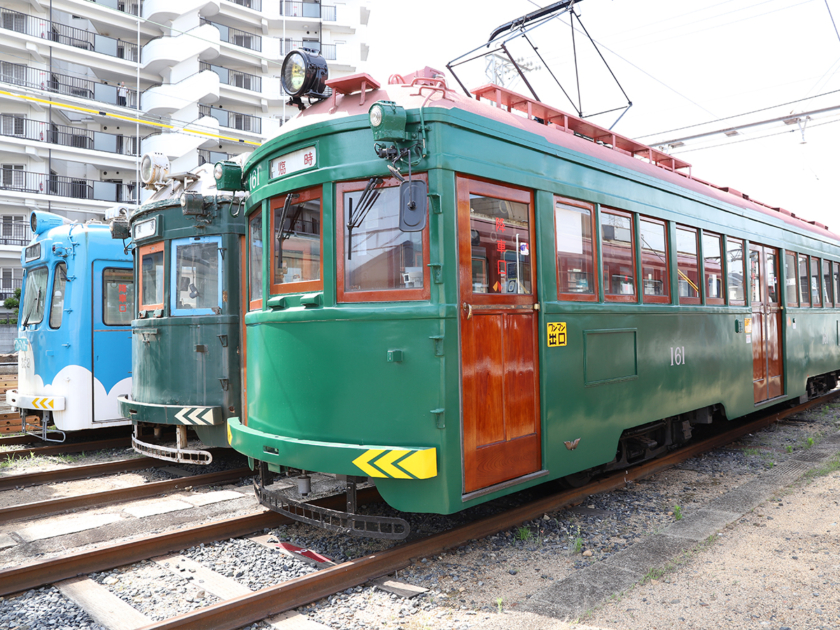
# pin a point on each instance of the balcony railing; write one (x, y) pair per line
(18, 74)
(69, 35)
(211, 157)
(233, 120)
(64, 186)
(236, 37)
(328, 13)
(327, 50)
(14, 233)
(24, 128)
(234, 77)
(300, 9)
(126, 7)
(256, 5)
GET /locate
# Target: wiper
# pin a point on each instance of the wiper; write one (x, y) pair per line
(286, 206)
(368, 199)
(31, 308)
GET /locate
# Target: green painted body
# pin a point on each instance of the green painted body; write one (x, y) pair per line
(168, 373)
(321, 389)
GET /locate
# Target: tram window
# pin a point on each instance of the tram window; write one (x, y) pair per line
(791, 290)
(804, 282)
(499, 231)
(828, 298)
(836, 282)
(755, 275)
(196, 283)
(151, 277)
(376, 260)
(57, 301)
(735, 274)
(117, 297)
(656, 283)
(772, 277)
(619, 256)
(255, 260)
(297, 242)
(34, 296)
(576, 278)
(687, 266)
(815, 281)
(713, 268)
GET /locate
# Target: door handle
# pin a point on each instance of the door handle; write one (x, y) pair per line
(468, 310)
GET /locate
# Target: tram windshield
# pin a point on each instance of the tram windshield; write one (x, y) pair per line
(35, 296)
(151, 276)
(57, 302)
(196, 285)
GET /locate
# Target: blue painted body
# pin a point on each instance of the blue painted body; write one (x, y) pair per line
(77, 354)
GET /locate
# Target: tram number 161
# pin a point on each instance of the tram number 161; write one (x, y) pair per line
(677, 355)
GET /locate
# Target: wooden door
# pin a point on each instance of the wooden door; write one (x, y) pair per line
(499, 340)
(766, 329)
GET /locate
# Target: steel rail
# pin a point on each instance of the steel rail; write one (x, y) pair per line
(60, 449)
(241, 611)
(238, 612)
(118, 495)
(79, 472)
(41, 572)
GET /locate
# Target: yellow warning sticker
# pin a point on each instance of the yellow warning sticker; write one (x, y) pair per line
(230, 435)
(748, 325)
(556, 334)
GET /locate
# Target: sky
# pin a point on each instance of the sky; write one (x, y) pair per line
(683, 65)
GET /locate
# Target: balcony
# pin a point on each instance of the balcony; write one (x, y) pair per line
(234, 77)
(19, 74)
(327, 50)
(236, 37)
(64, 186)
(68, 35)
(132, 8)
(300, 9)
(15, 233)
(211, 157)
(19, 127)
(256, 5)
(232, 120)
(328, 13)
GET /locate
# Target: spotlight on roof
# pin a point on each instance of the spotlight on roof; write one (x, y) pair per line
(304, 75)
(154, 169)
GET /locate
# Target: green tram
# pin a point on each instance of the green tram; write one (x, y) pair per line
(188, 241)
(568, 301)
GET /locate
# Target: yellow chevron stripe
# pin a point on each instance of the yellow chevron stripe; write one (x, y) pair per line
(422, 464)
(386, 464)
(363, 462)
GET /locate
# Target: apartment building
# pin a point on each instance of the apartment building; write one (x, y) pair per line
(87, 87)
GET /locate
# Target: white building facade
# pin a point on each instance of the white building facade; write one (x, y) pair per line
(87, 87)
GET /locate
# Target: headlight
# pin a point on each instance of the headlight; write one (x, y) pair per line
(218, 171)
(375, 116)
(304, 73)
(154, 169)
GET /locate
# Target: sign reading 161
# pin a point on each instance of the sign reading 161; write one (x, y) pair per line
(678, 355)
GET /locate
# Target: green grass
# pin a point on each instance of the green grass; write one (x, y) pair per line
(833, 465)
(677, 512)
(524, 534)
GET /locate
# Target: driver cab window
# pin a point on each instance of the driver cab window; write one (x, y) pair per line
(151, 277)
(57, 302)
(34, 296)
(196, 283)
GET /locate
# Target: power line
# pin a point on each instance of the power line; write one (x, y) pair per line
(769, 135)
(755, 111)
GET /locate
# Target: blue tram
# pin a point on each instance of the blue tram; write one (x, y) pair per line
(74, 326)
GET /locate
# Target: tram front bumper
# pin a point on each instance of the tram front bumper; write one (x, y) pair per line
(188, 415)
(383, 462)
(25, 401)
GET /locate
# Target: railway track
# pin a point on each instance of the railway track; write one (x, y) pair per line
(242, 610)
(119, 495)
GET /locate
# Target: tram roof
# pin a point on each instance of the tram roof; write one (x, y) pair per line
(353, 96)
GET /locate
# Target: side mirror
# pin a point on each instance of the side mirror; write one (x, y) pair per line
(413, 195)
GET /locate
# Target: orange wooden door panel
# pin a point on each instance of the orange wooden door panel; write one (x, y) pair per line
(499, 347)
